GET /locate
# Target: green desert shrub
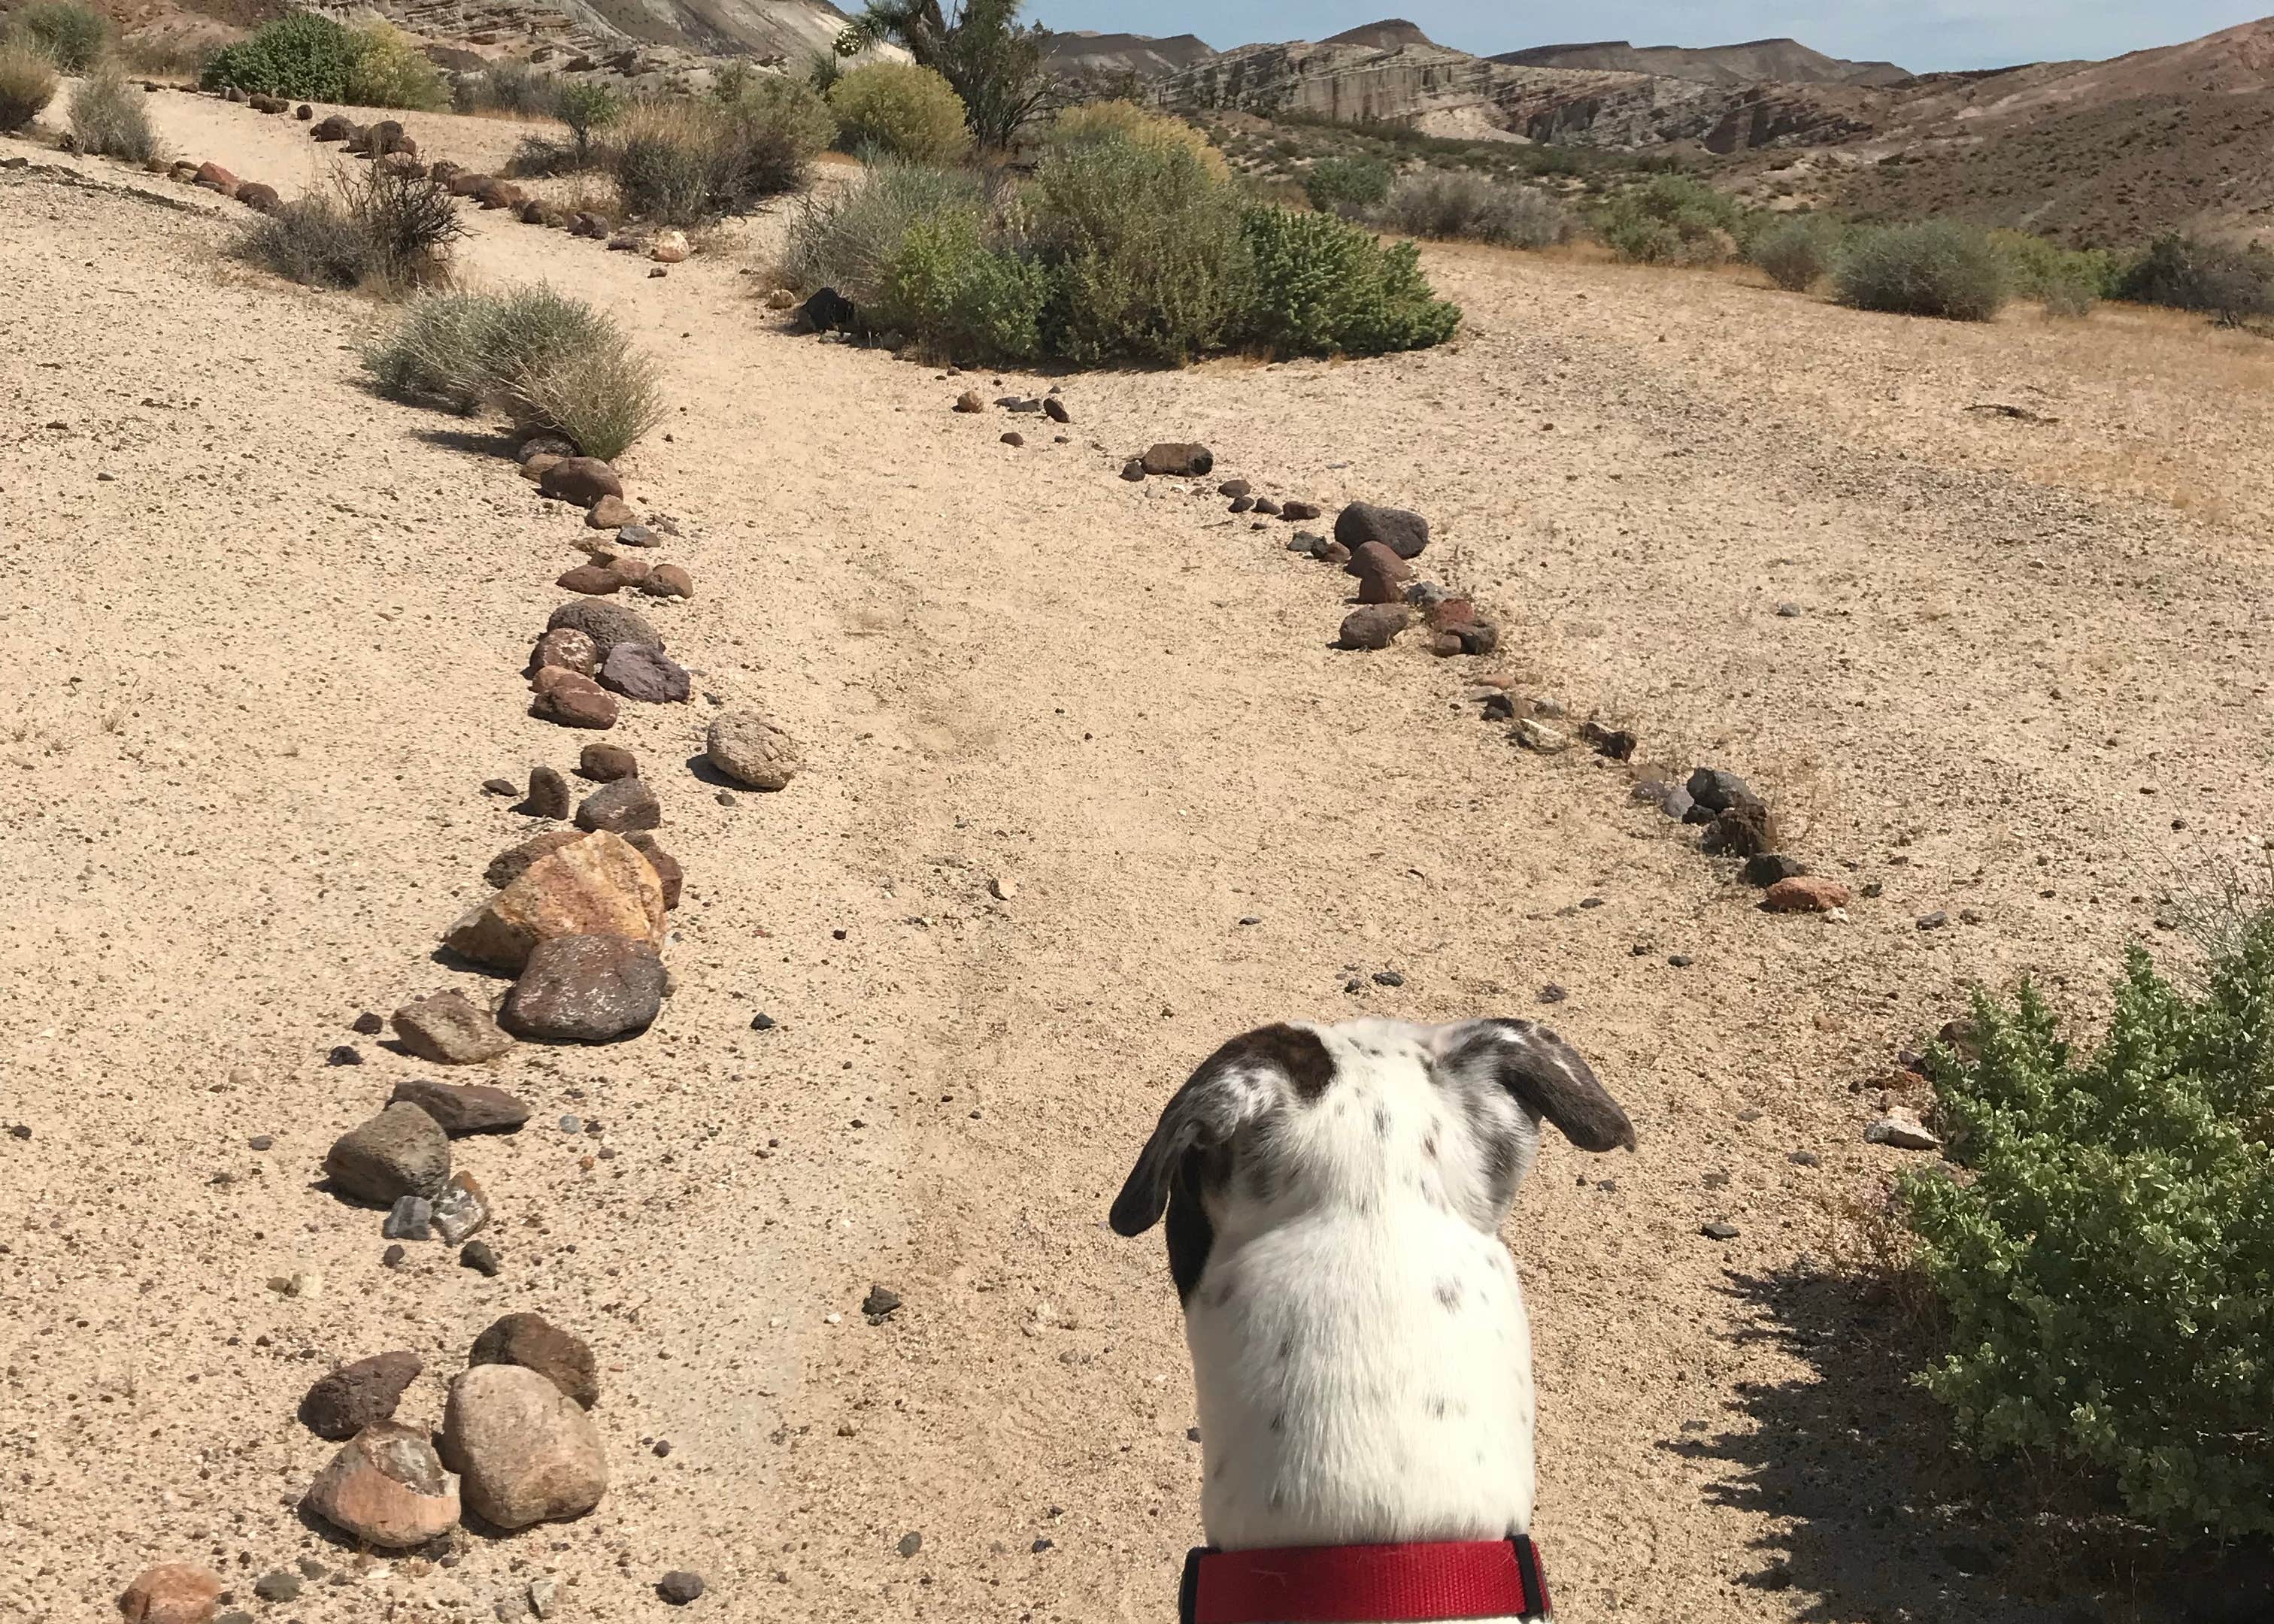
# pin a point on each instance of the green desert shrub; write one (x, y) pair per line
(1671, 219)
(2068, 282)
(681, 161)
(2231, 285)
(27, 83)
(1928, 267)
(964, 296)
(110, 115)
(388, 70)
(586, 108)
(1458, 204)
(849, 240)
(377, 230)
(1347, 186)
(1797, 252)
(900, 110)
(69, 35)
(2107, 1259)
(1145, 246)
(1137, 126)
(551, 363)
(304, 55)
(1319, 285)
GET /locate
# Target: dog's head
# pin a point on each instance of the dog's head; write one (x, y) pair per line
(1286, 1117)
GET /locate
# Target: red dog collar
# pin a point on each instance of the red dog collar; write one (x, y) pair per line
(1365, 1584)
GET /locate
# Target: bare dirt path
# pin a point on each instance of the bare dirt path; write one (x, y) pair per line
(265, 666)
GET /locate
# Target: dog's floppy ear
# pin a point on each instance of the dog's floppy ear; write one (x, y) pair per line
(1544, 1074)
(1235, 1085)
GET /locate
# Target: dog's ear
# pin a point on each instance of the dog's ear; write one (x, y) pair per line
(1237, 1084)
(1544, 1075)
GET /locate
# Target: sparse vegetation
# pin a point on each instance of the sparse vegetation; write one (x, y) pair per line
(1452, 205)
(2067, 282)
(899, 110)
(1137, 126)
(1672, 220)
(681, 162)
(1348, 186)
(1932, 268)
(2106, 1260)
(2231, 285)
(27, 83)
(109, 116)
(69, 35)
(513, 88)
(312, 58)
(551, 363)
(1797, 252)
(376, 230)
(1115, 251)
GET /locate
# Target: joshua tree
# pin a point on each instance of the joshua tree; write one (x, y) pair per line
(995, 62)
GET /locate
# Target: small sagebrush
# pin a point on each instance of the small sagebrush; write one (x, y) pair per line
(1796, 253)
(388, 70)
(1458, 204)
(111, 117)
(1931, 268)
(849, 239)
(685, 162)
(551, 363)
(902, 110)
(1137, 126)
(1319, 286)
(1672, 220)
(68, 34)
(27, 84)
(1347, 186)
(2231, 285)
(375, 230)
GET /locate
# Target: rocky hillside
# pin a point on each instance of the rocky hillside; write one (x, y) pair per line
(1087, 53)
(1785, 62)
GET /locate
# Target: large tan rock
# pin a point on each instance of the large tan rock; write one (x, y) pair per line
(449, 1028)
(387, 1487)
(598, 886)
(523, 1449)
(171, 1593)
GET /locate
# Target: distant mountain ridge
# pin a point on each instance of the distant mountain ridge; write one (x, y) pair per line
(1780, 61)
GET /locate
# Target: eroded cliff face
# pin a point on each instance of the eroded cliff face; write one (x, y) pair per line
(1422, 84)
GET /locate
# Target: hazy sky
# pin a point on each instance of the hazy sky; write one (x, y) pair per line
(1922, 35)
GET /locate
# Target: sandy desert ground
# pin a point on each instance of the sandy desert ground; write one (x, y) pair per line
(265, 632)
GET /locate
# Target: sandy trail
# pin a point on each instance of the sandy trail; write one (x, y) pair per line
(264, 668)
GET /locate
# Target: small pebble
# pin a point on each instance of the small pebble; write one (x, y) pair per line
(1353, 985)
(410, 1219)
(370, 1024)
(503, 787)
(679, 1587)
(1387, 978)
(662, 1447)
(1553, 994)
(1251, 919)
(1720, 1229)
(1679, 961)
(344, 1055)
(393, 1257)
(258, 1141)
(1935, 920)
(1040, 1545)
(277, 1586)
(1805, 1158)
(911, 1543)
(762, 1022)
(479, 1256)
(726, 799)
(571, 1125)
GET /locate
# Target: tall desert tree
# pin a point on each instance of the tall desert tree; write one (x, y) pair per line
(996, 63)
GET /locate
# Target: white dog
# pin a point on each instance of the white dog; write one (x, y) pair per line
(1334, 1197)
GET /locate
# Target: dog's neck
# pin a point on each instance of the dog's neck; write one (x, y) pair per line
(1363, 1373)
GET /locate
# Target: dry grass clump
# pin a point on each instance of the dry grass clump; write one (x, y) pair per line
(551, 363)
(109, 116)
(680, 161)
(71, 35)
(27, 83)
(1460, 205)
(386, 233)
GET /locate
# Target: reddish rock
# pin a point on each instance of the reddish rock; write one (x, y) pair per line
(1182, 458)
(631, 571)
(1450, 614)
(212, 178)
(576, 701)
(582, 480)
(259, 196)
(171, 1593)
(387, 1488)
(610, 513)
(1806, 894)
(568, 650)
(1375, 626)
(1300, 510)
(668, 580)
(595, 579)
(599, 885)
(1381, 575)
(667, 871)
(604, 763)
(532, 468)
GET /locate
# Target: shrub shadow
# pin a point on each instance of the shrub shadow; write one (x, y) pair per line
(1872, 1513)
(479, 442)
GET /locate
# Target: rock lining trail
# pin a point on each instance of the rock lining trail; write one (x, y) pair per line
(1084, 791)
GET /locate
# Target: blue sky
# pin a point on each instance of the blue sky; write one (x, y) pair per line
(1923, 35)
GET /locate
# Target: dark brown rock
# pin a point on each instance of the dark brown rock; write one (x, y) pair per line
(1264, 506)
(1181, 458)
(259, 196)
(567, 649)
(332, 127)
(592, 579)
(575, 702)
(604, 763)
(401, 1151)
(582, 480)
(1381, 575)
(1616, 742)
(646, 674)
(619, 807)
(668, 580)
(1375, 626)
(586, 989)
(549, 794)
(534, 1342)
(466, 182)
(1242, 504)
(1744, 829)
(1235, 488)
(608, 625)
(554, 446)
(666, 866)
(358, 1396)
(610, 513)
(463, 1108)
(1012, 437)
(1134, 469)
(1404, 532)
(1055, 409)
(1300, 510)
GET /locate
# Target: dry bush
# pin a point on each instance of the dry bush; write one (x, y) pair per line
(1931, 268)
(68, 34)
(550, 362)
(1450, 205)
(110, 115)
(681, 162)
(900, 110)
(27, 84)
(388, 233)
